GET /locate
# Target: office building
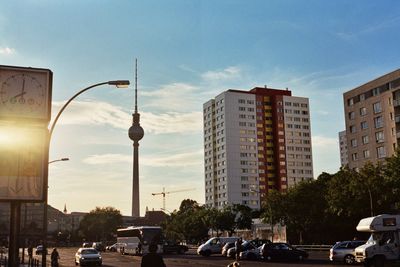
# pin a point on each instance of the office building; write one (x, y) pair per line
(372, 116)
(254, 142)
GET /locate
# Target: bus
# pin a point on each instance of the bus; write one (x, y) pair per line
(136, 240)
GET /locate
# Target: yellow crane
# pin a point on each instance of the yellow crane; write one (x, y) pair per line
(163, 193)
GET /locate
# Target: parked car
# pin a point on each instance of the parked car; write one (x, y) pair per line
(251, 254)
(113, 247)
(88, 256)
(344, 251)
(214, 245)
(98, 246)
(226, 247)
(282, 251)
(246, 245)
(39, 250)
(174, 247)
(259, 242)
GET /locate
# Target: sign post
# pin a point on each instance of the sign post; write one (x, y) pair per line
(25, 110)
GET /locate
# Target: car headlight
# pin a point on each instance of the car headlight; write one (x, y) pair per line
(82, 258)
(99, 257)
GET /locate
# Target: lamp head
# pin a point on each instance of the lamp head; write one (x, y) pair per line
(120, 83)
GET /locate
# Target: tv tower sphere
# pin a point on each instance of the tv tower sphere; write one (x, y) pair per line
(136, 131)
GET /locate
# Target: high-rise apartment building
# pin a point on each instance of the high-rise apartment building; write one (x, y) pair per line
(344, 160)
(254, 142)
(372, 115)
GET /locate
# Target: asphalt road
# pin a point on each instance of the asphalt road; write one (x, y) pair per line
(113, 259)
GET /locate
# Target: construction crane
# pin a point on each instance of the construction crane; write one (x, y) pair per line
(163, 193)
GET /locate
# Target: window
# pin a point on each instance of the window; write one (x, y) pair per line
(379, 137)
(377, 107)
(363, 111)
(353, 142)
(365, 139)
(378, 121)
(350, 102)
(354, 156)
(381, 152)
(241, 101)
(366, 154)
(352, 129)
(364, 125)
(362, 97)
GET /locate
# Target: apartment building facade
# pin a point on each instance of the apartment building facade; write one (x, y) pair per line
(344, 159)
(372, 116)
(254, 142)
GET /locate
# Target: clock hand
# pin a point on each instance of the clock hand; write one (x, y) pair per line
(20, 94)
(23, 84)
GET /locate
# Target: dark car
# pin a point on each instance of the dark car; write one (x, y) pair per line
(259, 242)
(174, 247)
(282, 251)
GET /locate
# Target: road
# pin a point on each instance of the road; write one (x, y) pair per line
(113, 259)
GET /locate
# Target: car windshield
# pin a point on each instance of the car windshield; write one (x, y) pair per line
(89, 251)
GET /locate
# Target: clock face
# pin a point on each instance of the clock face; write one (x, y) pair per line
(24, 94)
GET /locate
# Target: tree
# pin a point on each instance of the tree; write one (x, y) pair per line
(391, 175)
(190, 222)
(100, 223)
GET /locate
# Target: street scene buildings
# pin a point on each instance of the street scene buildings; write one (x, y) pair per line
(254, 142)
(372, 117)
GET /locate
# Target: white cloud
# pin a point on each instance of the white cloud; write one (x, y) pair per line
(94, 113)
(172, 122)
(166, 160)
(102, 113)
(321, 142)
(6, 51)
(229, 73)
(172, 97)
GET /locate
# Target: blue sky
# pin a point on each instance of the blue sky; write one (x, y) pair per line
(188, 52)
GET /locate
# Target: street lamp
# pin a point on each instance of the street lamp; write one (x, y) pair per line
(118, 84)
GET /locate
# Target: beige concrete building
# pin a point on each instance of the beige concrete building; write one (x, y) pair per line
(344, 159)
(255, 142)
(372, 116)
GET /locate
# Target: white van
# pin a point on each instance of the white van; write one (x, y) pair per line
(214, 245)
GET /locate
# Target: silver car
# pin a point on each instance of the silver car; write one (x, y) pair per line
(88, 256)
(344, 251)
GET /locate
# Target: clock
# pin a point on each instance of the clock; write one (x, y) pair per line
(25, 93)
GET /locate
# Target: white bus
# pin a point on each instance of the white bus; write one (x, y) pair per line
(136, 240)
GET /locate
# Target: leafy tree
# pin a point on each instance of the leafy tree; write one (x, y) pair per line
(243, 216)
(391, 175)
(100, 223)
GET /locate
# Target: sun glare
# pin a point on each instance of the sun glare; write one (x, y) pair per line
(14, 137)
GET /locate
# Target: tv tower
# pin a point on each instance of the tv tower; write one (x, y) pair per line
(135, 134)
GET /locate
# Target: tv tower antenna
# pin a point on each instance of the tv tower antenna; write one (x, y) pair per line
(136, 133)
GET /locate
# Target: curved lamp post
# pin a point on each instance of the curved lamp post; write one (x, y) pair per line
(62, 159)
(117, 83)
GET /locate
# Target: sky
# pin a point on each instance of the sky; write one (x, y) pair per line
(188, 52)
